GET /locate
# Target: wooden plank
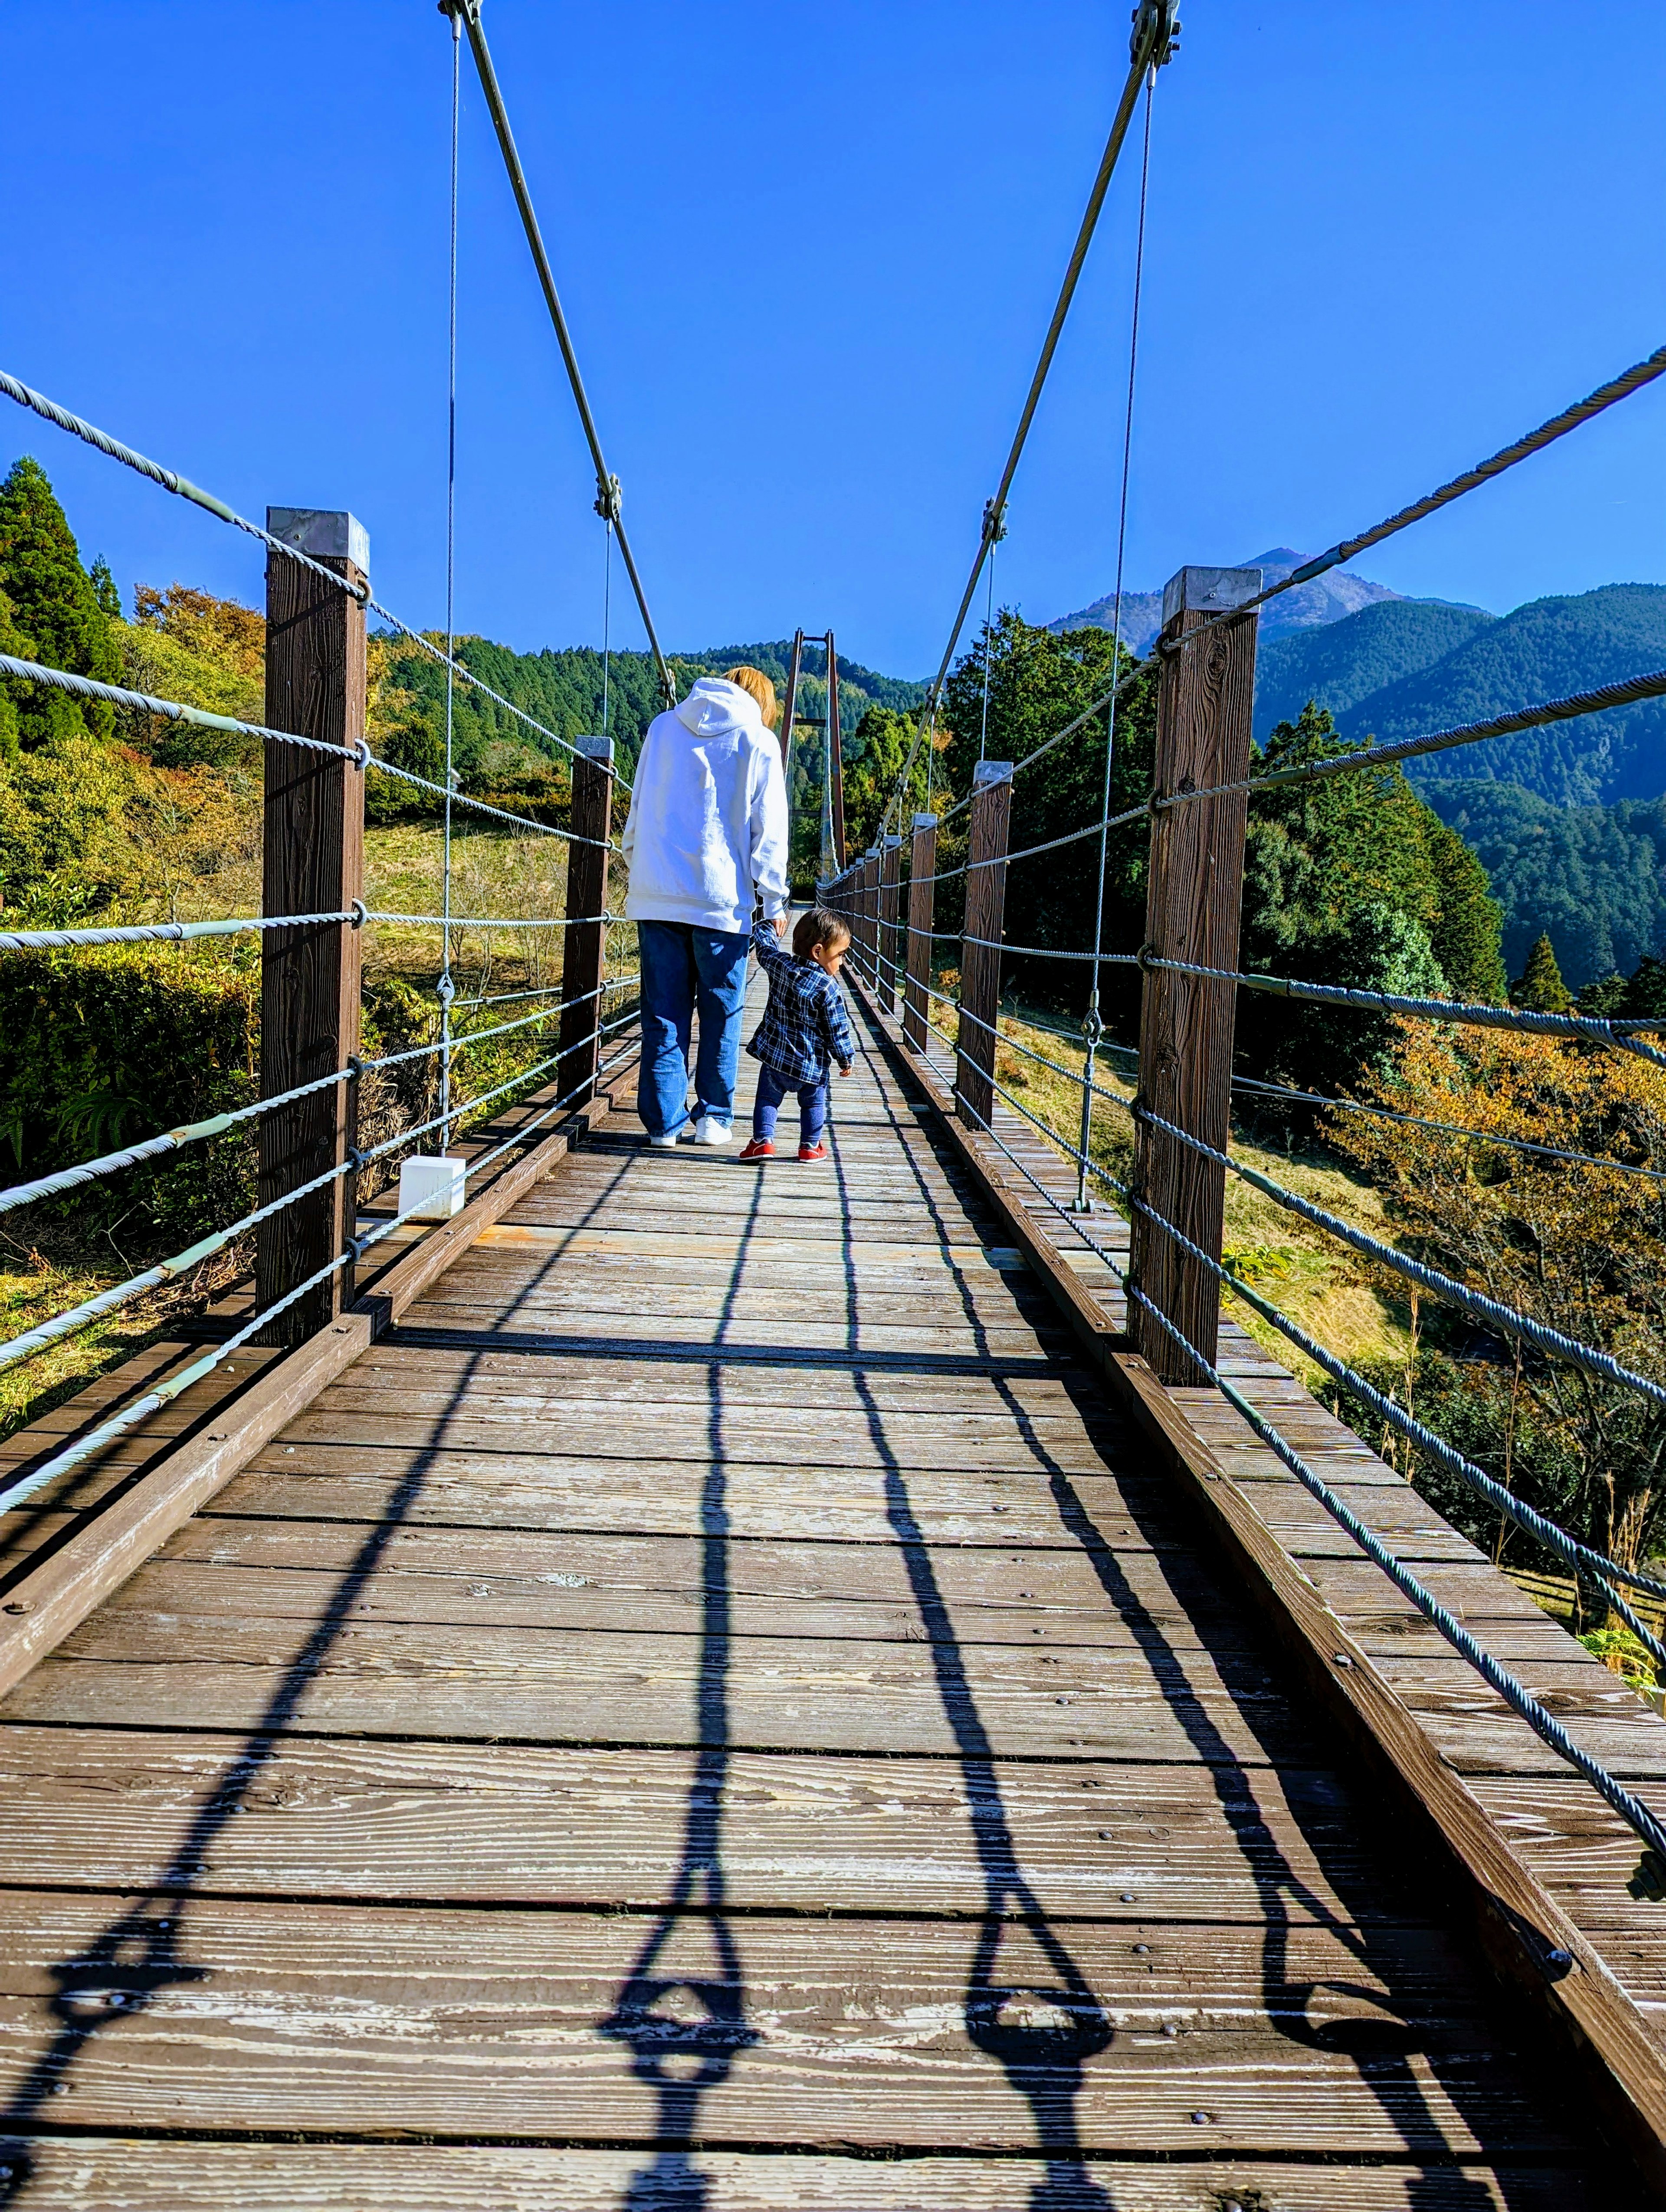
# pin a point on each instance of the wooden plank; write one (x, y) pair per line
(93, 2172)
(1593, 2016)
(45, 1604)
(368, 1677)
(251, 2015)
(501, 1823)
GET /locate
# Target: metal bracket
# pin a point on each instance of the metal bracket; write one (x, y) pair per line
(1156, 33)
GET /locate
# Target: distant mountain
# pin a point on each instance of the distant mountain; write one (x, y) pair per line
(1544, 650)
(1594, 877)
(1327, 599)
(1348, 661)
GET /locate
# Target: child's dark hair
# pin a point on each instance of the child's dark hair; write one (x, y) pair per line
(819, 926)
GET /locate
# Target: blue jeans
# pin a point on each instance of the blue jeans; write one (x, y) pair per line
(772, 1088)
(684, 970)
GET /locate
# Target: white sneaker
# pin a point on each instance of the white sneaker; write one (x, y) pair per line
(664, 1143)
(709, 1131)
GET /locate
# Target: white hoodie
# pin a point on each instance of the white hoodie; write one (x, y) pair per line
(708, 825)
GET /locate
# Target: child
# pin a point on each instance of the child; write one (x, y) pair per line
(803, 1025)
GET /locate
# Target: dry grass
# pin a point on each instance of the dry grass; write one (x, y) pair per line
(491, 874)
(1306, 1273)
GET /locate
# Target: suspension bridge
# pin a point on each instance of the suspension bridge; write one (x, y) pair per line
(657, 1684)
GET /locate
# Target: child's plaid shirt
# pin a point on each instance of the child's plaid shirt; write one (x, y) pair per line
(805, 1021)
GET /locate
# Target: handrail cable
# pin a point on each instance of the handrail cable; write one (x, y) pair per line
(217, 1125)
(1583, 410)
(47, 1333)
(164, 1393)
(1525, 1018)
(1281, 1090)
(176, 710)
(1623, 694)
(161, 933)
(1446, 1128)
(1476, 1304)
(1150, 47)
(1528, 1517)
(609, 503)
(170, 480)
(1521, 1700)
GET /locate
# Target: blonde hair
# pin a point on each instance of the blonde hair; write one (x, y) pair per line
(757, 684)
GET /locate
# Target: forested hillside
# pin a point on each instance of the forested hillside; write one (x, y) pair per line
(1345, 662)
(1545, 650)
(1592, 878)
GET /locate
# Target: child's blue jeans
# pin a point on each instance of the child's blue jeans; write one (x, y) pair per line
(772, 1088)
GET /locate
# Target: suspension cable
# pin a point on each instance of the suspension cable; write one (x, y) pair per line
(607, 482)
(445, 990)
(1152, 43)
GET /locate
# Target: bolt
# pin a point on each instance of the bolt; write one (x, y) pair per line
(1127, 1897)
(1141, 1950)
(1341, 1659)
(21, 1604)
(1200, 2119)
(1104, 1835)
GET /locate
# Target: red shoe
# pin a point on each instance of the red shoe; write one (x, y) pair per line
(808, 1152)
(758, 1148)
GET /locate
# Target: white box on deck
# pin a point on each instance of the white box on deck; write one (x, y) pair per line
(430, 1188)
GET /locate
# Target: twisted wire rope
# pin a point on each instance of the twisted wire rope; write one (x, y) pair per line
(1515, 1694)
(154, 1400)
(171, 481)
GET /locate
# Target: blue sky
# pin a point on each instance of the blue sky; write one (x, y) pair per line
(808, 253)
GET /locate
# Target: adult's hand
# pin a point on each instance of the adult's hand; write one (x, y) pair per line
(779, 924)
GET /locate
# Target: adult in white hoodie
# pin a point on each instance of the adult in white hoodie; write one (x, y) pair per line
(706, 841)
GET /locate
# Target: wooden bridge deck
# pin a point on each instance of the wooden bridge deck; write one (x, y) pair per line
(712, 1709)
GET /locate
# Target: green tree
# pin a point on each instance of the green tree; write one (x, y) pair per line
(1464, 932)
(1539, 989)
(872, 755)
(105, 592)
(55, 607)
(11, 640)
(1039, 682)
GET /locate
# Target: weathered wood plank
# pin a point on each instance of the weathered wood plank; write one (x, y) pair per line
(92, 1807)
(251, 2016)
(106, 2174)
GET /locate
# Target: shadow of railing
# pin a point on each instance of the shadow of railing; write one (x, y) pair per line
(1383, 2052)
(140, 1954)
(682, 2026)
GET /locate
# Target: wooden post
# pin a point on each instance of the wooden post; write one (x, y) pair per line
(922, 886)
(866, 903)
(980, 963)
(584, 942)
(313, 863)
(1195, 893)
(891, 871)
(789, 705)
(834, 754)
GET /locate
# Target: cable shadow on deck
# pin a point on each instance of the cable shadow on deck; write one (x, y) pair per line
(1381, 2048)
(141, 1954)
(1043, 2024)
(685, 2029)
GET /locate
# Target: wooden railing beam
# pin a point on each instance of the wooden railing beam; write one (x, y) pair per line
(979, 950)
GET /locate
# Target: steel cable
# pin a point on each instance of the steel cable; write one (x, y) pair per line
(1150, 47)
(1520, 1699)
(164, 1394)
(171, 481)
